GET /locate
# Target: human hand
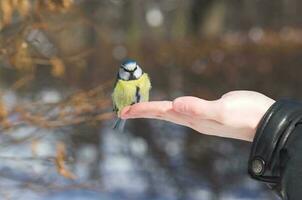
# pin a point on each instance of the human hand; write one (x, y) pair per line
(235, 115)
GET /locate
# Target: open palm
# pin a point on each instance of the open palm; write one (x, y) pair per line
(235, 115)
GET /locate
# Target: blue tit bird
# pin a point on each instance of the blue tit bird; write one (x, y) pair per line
(132, 86)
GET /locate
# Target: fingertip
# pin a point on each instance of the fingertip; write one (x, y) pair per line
(125, 111)
(133, 111)
(150, 109)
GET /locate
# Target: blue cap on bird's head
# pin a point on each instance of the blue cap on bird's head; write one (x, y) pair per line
(129, 65)
(128, 61)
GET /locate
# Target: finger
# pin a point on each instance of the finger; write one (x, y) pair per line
(196, 107)
(156, 110)
(152, 109)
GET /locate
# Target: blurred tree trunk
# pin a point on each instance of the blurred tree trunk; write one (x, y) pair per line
(214, 19)
(272, 13)
(198, 10)
(133, 19)
(292, 11)
(175, 23)
(88, 135)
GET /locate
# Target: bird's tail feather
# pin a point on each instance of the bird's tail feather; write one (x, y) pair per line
(119, 124)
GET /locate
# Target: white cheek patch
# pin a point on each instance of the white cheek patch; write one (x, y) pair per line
(124, 75)
(138, 72)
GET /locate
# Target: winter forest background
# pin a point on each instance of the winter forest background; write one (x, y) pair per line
(58, 63)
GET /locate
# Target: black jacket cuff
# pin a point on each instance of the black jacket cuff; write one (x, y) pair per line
(270, 139)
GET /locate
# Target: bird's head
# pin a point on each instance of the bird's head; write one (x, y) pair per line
(129, 70)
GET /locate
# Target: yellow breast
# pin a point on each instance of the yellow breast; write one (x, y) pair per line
(125, 92)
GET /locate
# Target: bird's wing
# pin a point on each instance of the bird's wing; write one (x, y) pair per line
(114, 109)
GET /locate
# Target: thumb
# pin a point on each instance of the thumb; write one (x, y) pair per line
(196, 107)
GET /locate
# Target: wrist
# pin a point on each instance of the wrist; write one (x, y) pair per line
(259, 115)
(271, 136)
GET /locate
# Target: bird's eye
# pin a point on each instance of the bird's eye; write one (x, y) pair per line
(129, 70)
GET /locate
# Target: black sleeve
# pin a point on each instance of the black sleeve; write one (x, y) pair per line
(276, 154)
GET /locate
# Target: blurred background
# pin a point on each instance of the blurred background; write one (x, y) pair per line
(58, 63)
